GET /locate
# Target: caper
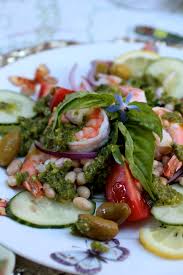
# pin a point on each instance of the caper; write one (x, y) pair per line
(120, 70)
(9, 147)
(117, 212)
(96, 228)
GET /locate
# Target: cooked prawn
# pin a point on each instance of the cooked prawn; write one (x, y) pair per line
(173, 128)
(33, 158)
(137, 94)
(172, 166)
(93, 124)
(94, 134)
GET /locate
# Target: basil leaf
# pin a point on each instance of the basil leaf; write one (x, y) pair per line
(116, 153)
(146, 118)
(139, 153)
(80, 100)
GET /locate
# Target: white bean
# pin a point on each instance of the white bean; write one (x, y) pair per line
(40, 167)
(60, 162)
(77, 170)
(157, 168)
(71, 176)
(88, 163)
(46, 186)
(11, 181)
(81, 178)
(49, 161)
(83, 161)
(50, 193)
(14, 167)
(83, 192)
(82, 203)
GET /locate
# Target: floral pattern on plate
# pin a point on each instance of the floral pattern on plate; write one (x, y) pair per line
(90, 261)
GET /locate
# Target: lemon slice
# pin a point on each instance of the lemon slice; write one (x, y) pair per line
(165, 241)
(137, 61)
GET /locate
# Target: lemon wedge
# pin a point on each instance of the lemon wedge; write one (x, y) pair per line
(164, 241)
(137, 61)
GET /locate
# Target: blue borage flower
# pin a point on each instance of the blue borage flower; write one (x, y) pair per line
(122, 106)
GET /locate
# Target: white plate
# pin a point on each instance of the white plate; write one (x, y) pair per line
(38, 244)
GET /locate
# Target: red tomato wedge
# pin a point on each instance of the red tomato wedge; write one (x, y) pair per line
(121, 186)
(59, 96)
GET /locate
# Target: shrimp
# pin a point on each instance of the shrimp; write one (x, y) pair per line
(33, 158)
(172, 166)
(94, 134)
(137, 94)
(175, 131)
(173, 128)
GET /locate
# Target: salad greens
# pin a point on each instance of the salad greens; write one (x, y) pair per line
(139, 153)
(81, 100)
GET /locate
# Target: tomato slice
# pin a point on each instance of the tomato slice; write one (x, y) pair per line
(121, 186)
(45, 89)
(59, 96)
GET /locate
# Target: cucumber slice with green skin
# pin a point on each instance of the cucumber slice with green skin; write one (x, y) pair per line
(42, 212)
(13, 105)
(170, 72)
(170, 214)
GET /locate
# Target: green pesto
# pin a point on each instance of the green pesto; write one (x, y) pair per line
(165, 194)
(178, 150)
(7, 107)
(33, 128)
(176, 102)
(108, 89)
(149, 85)
(99, 247)
(58, 139)
(98, 170)
(173, 117)
(21, 177)
(55, 177)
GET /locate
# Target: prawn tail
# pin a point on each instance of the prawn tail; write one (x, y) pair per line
(34, 187)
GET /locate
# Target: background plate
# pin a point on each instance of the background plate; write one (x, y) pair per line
(37, 244)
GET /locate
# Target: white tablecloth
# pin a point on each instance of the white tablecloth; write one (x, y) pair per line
(28, 22)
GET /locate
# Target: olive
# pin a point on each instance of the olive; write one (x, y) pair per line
(117, 212)
(9, 147)
(120, 70)
(102, 68)
(96, 228)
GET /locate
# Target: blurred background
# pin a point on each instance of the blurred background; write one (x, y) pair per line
(24, 23)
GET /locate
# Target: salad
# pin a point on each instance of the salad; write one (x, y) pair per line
(106, 152)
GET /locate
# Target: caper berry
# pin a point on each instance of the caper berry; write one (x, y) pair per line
(117, 212)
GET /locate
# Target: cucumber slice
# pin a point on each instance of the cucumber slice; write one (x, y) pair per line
(42, 212)
(170, 214)
(170, 72)
(13, 105)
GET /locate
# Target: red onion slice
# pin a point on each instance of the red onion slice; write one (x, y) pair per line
(71, 155)
(72, 79)
(178, 174)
